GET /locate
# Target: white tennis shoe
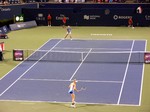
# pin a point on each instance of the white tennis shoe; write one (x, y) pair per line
(73, 106)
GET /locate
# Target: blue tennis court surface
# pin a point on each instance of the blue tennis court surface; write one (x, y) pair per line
(106, 83)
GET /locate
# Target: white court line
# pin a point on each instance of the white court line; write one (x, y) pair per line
(24, 60)
(80, 65)
(57, 102)
(61, 80)
(125, 74)
(101, 34)
(51, 80)
(142, 79)
(100, 81)
(29, 69)
(91, 48)
(84, 39)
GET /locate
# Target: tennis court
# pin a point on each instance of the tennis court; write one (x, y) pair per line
(108, 80)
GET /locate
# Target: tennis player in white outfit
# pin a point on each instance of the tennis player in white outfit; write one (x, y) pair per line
(68, 32)
(72, 88)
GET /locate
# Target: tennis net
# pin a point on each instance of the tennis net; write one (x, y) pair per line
(75, 56)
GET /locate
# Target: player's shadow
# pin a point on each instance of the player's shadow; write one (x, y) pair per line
(77, 105)
(88, 105)
(60, 104)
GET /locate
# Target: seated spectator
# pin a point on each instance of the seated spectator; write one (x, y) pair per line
(94, 1)
(110, 1)
(5, 2)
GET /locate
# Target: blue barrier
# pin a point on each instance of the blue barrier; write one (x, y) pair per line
(4, 30)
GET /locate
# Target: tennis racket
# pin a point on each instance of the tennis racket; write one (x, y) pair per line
(82, 89)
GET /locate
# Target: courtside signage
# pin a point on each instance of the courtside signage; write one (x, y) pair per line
(147, 57)
(18, 55)
(19, 18)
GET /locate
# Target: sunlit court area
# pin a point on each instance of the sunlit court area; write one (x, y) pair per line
(74, 56)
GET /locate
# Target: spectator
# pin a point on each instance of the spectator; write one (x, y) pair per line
(139, 10)
(110, 1)
(5, 2)
(94, 1)
(139, 15)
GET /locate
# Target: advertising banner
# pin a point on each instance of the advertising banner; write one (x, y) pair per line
(18, 55)
(22, 25)
(89, 16)
(147, 57)
(40, 15)
(19, 18)
(8, 11)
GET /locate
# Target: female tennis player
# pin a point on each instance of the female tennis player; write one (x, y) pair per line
(72, 88)
(68, 32)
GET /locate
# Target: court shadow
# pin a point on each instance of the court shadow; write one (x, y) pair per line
(9, 61)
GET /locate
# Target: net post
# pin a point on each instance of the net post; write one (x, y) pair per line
(82, 56)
